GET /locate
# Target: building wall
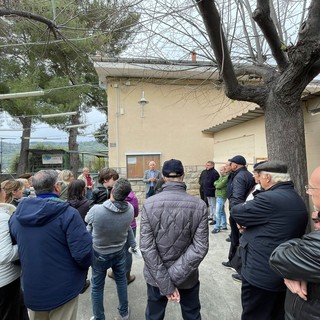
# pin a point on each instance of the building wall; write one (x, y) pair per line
(172, 121)
(312, 132)
(172, 124)
(247, 139)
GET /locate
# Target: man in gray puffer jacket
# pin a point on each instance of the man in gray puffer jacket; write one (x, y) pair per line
(173, 242)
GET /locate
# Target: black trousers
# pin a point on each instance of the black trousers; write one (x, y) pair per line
(260, 304)
(189, 303)
(11, 302)
(235, 236)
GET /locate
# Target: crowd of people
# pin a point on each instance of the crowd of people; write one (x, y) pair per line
(55, 227)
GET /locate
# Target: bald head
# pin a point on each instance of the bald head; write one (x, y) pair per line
(314, 188)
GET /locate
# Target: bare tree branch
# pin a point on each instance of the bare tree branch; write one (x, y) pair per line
(8, 12)
(262, 16)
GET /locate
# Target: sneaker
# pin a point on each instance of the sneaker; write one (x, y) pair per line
(212, 222)
(228, 265)
(236, 277)
(136, 252)
(127, 317)
(215, 231)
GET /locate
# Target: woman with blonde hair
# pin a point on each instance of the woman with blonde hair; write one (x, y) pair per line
(65, 177)
(11, 299)
(13, 190)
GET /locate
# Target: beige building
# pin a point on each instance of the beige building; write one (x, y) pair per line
(159, 111)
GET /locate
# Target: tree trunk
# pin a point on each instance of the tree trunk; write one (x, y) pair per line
(23, 159)
(285, 136)
(74, 155)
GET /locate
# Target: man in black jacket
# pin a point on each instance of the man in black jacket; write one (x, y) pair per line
(298, 261)
(240, 183)
(208, 178)
(106, 179)
(275, 215)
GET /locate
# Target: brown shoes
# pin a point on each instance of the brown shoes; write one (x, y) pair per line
(130, 277)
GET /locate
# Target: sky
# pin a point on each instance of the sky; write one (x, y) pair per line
(41, 130)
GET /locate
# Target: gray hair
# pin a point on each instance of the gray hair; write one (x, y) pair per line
(44, 180)
(121, 189)
(277, 177)
(178, 179)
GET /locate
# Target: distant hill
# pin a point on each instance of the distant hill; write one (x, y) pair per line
(9, 150)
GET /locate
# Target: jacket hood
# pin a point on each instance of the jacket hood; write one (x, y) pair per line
(78, 203)
(8, 208)
(39, 211)
(116, 206)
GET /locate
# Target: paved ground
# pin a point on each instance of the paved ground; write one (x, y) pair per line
(219, 294)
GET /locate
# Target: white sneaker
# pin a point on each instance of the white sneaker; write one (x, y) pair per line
(136, 252)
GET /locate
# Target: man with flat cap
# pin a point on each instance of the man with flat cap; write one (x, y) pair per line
(173, 242)
(275, 215)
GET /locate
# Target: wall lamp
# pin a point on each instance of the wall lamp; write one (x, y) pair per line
(143, 101)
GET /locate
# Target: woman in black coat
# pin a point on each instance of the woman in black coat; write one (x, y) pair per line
(76, 197)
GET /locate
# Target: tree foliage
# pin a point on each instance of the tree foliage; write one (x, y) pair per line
(265, 52)
(45, 47)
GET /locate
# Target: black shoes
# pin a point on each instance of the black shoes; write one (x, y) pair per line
(237, 277)
(228, 239)
(228, 265)
(212, 222)
(86, 286)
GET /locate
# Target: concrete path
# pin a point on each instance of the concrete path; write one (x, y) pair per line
(219, 294)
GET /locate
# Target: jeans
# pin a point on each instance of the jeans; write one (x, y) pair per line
(89, 194)
(150, 192)
(221, 221)
(128, 254)
(189, 303)
(212, 206)
(100, 265)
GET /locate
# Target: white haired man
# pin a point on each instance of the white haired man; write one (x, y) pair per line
(55, 250)
(150, 178)
(275, 215)
(298, 262)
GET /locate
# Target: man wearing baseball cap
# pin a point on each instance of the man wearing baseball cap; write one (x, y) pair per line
(172, 247)
(240, 182)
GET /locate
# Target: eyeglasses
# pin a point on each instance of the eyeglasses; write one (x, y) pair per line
(307, 187)
(317, 214)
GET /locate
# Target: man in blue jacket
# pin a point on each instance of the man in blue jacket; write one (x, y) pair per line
(275, 215)
(55, 250)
